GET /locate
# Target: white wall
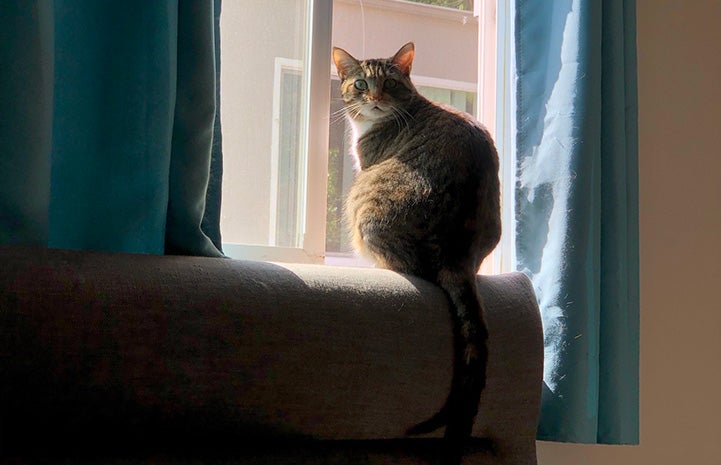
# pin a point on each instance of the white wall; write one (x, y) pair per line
(679, 69)
(374, 29)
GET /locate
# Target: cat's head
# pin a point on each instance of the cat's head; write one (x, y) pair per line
(375, 89)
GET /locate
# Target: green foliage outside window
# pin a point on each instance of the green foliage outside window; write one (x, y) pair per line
(466, 5)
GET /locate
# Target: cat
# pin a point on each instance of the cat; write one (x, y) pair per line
(425, 201)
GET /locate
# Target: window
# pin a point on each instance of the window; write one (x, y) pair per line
(287, 167)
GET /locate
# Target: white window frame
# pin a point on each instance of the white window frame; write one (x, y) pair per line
(314, 146)
(504, 258)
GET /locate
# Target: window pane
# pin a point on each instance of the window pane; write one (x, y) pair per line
(459, 99)
(289, 167)
(263, 117)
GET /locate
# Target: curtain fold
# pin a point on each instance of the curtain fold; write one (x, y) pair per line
(113, 147)
(577, 209)
(26, 96)
(211, 218)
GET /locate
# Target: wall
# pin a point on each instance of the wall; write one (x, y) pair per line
(679, 69)
(357, 26)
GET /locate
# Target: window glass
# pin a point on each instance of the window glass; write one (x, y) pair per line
(278, 203)
(263, 50)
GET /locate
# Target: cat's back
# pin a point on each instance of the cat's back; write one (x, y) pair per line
(431, 140)
(429, 178)
(428, 174)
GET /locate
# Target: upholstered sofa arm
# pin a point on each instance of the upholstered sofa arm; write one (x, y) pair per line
(120, 351)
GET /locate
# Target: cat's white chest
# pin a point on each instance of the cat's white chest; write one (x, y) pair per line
(359, 128)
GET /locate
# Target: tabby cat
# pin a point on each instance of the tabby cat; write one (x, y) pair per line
(425, 201)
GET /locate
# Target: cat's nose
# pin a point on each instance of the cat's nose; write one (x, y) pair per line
(373, 97)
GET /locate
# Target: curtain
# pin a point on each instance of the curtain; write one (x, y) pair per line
(577, 209)
(107, 116)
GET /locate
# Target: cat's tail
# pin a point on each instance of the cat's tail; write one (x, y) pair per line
(470, 351)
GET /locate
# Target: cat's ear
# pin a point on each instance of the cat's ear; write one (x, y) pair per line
(344, 62)
(403, 58)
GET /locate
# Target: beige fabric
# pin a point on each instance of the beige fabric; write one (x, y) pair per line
(227, 351)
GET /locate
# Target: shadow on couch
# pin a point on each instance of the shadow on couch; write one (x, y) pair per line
(120, 358)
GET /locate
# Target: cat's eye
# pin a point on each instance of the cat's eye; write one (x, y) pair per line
(360, 84)
(390, 83)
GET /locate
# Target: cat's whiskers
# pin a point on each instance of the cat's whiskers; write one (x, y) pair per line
(351, 110)
(344, 109)
(401, 116)
(399, 119)
(357, 110)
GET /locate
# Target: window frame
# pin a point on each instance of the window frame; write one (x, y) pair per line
(314, 137)
(315, 129)
(504, 257)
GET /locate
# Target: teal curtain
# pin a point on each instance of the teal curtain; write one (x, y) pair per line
(577, 209)
(107, 116)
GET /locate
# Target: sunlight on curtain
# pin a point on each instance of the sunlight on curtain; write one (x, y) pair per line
(577, 210)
